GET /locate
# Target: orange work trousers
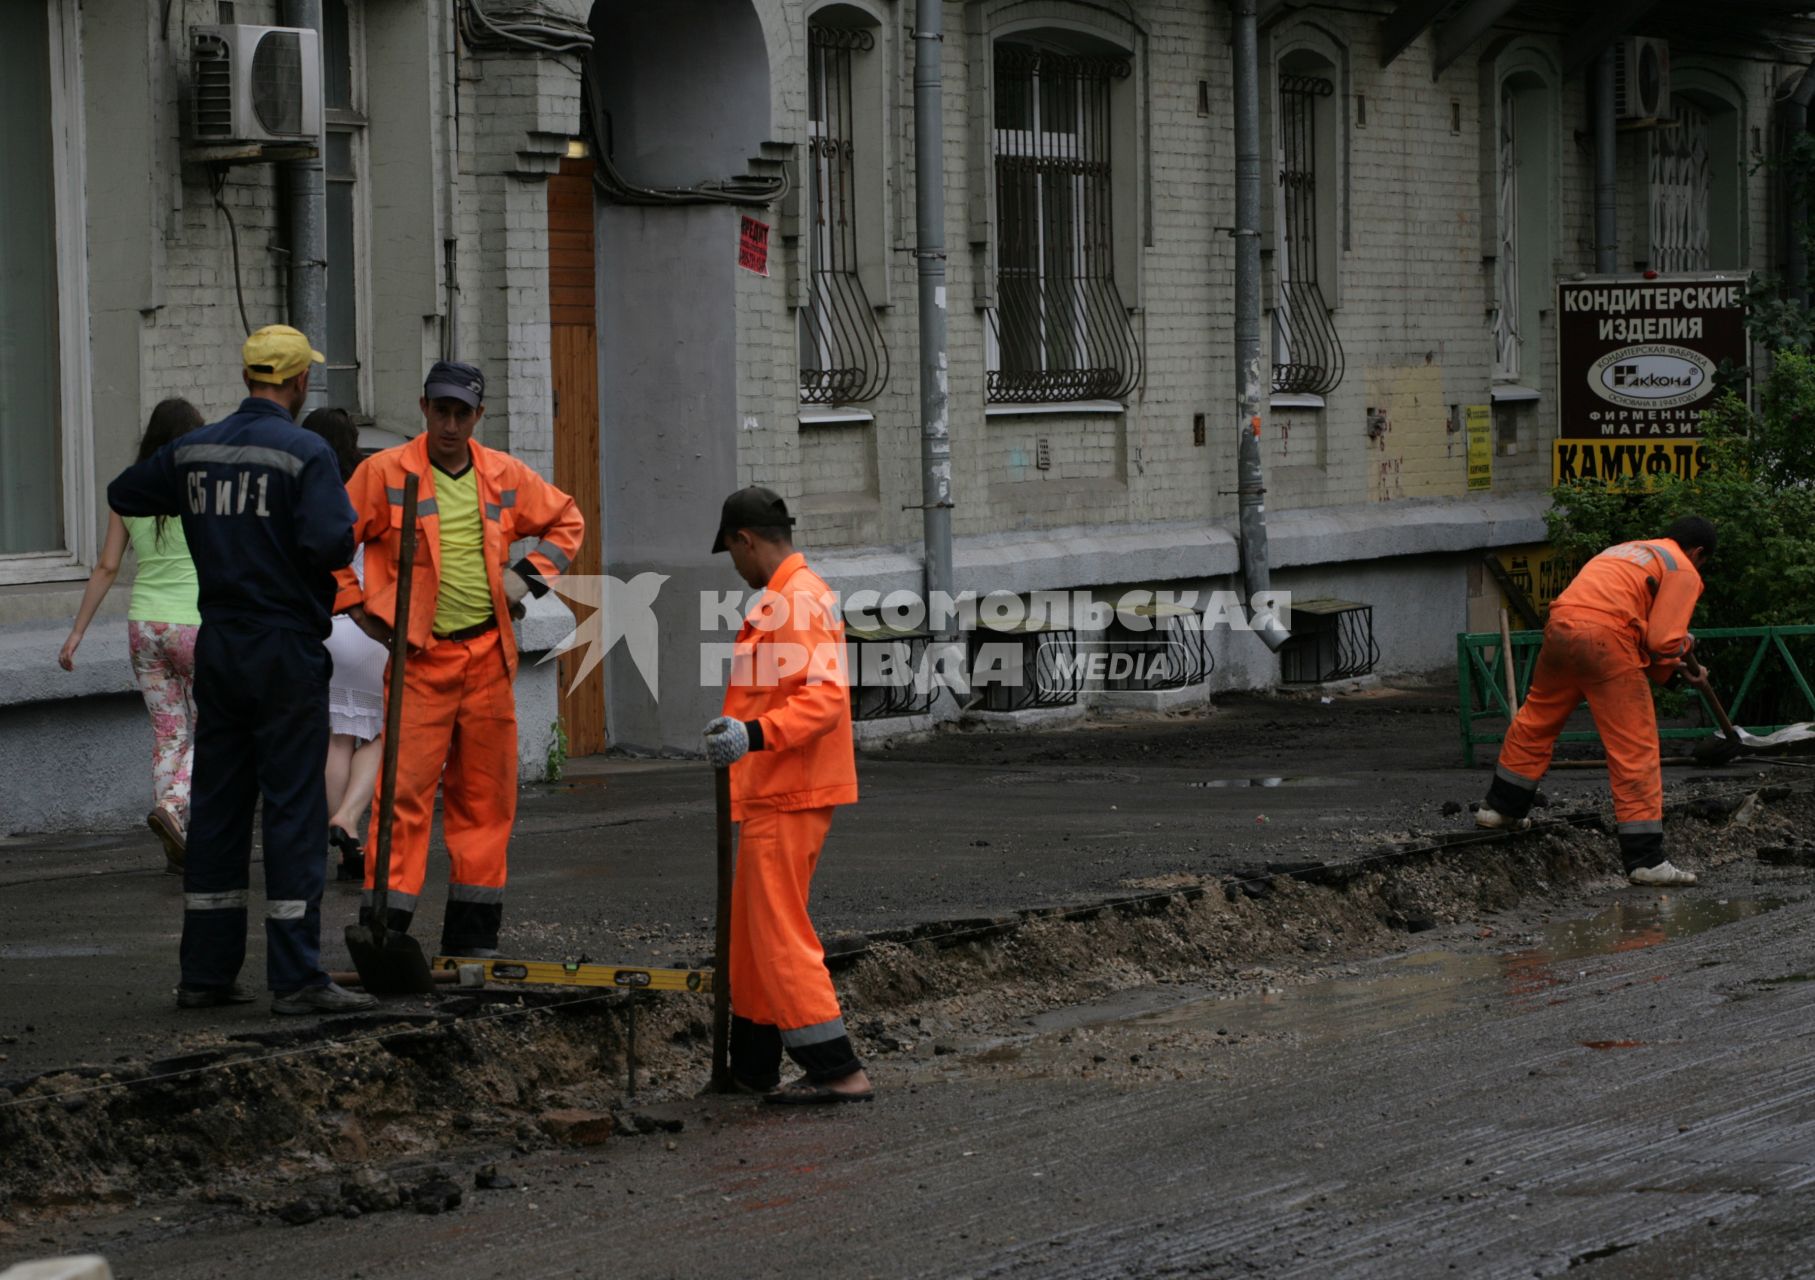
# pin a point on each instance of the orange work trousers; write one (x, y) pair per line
(1583, 659)
(778, 967)
(459, 731)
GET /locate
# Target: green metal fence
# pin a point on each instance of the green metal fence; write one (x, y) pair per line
(1757, 670)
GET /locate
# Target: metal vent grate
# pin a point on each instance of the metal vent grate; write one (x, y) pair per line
(277, 82)
(213, 64)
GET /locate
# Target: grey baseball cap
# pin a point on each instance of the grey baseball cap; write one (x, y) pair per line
(752, 508)
(455, 380)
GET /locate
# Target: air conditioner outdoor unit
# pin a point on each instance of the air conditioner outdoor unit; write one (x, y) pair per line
(1641, 79)
(255, 84)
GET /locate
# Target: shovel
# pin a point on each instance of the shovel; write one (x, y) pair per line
(392, 963)
(1721, 749)
(721, 960)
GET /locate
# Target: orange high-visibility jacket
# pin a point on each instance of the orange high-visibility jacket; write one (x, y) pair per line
(788, 672)
(514, 503)
(1649, 588)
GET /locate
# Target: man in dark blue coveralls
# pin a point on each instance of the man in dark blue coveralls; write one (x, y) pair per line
(268, 522)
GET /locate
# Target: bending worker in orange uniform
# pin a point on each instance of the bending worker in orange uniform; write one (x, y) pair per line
(1624, 618)
(459, 708)
(786, 737)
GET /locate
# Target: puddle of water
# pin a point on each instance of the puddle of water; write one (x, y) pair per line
(1306, 781)
(1407, 989)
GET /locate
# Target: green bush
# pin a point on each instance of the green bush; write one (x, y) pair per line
(1758, 489)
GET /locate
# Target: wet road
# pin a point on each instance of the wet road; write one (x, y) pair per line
(617, 864)
(1630, 1094)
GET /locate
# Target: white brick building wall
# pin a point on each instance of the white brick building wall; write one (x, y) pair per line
(1416, 293)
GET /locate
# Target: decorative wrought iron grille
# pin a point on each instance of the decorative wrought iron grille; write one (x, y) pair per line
(1168, 649)
(1331, 640)
(888, 673)
(1682, 185)
(1506, 315)
(843, 358)
(1307, 354)
(1025, 667)
(1059, 330)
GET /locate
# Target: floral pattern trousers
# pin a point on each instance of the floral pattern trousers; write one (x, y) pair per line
(163, 658)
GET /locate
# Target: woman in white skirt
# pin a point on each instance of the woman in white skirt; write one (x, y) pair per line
(355, 692)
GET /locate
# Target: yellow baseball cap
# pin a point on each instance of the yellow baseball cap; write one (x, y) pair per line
(277, 353)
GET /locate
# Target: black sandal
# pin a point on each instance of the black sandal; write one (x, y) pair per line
(352, 854)
(804, 1093)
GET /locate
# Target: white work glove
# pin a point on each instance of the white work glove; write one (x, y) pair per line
(516, 586)
(727, 742)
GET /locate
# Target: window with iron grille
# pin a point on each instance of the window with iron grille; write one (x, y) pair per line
(1307, 354)
(843, 358)
(343, 94)
(1681, 191)
(1059, 330)
(1507, 341)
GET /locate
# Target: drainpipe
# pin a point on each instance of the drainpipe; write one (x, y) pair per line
(1795, 116)
(305, 197)
(1250, 485)
(929, 255)
(1606, 190)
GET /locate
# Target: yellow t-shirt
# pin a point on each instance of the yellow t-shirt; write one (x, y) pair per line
(466, 596)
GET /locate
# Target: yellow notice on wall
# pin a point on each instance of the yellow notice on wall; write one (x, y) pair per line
(1478, 419)
(1537, 570)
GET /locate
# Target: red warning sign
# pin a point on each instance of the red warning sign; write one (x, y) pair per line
(753, 247)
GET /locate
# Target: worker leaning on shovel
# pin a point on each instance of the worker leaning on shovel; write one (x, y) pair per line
(1620, 626)
(459, 708)
(786, 737)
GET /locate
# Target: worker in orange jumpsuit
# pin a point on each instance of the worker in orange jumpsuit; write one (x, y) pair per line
(459, 709)
(786, 737)
(1619, 627)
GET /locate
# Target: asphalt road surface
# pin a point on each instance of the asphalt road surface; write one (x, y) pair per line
(1628, 1093)
(617, 863)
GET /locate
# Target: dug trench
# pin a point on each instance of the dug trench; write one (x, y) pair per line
(395, 1110)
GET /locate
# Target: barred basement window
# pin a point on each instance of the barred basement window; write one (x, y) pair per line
(1059, 330)
(1506, 316)
(1681, 190)
(1307, 354)
(843, 358)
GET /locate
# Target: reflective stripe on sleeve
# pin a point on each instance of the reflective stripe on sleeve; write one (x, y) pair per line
(555, 555)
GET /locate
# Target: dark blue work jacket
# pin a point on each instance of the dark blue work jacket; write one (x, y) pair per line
(264, 511)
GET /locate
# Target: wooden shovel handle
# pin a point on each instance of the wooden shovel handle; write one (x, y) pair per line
(721, 961)
(393, 710)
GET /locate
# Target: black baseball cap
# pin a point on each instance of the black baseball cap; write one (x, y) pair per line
(752, 508)
(455, 380)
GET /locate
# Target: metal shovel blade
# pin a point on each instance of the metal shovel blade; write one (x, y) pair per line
(389, 963)
(1718, 749)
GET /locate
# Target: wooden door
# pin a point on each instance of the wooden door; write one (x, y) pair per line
(574, 355)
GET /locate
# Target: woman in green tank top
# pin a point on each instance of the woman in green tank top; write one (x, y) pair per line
(161, 626)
